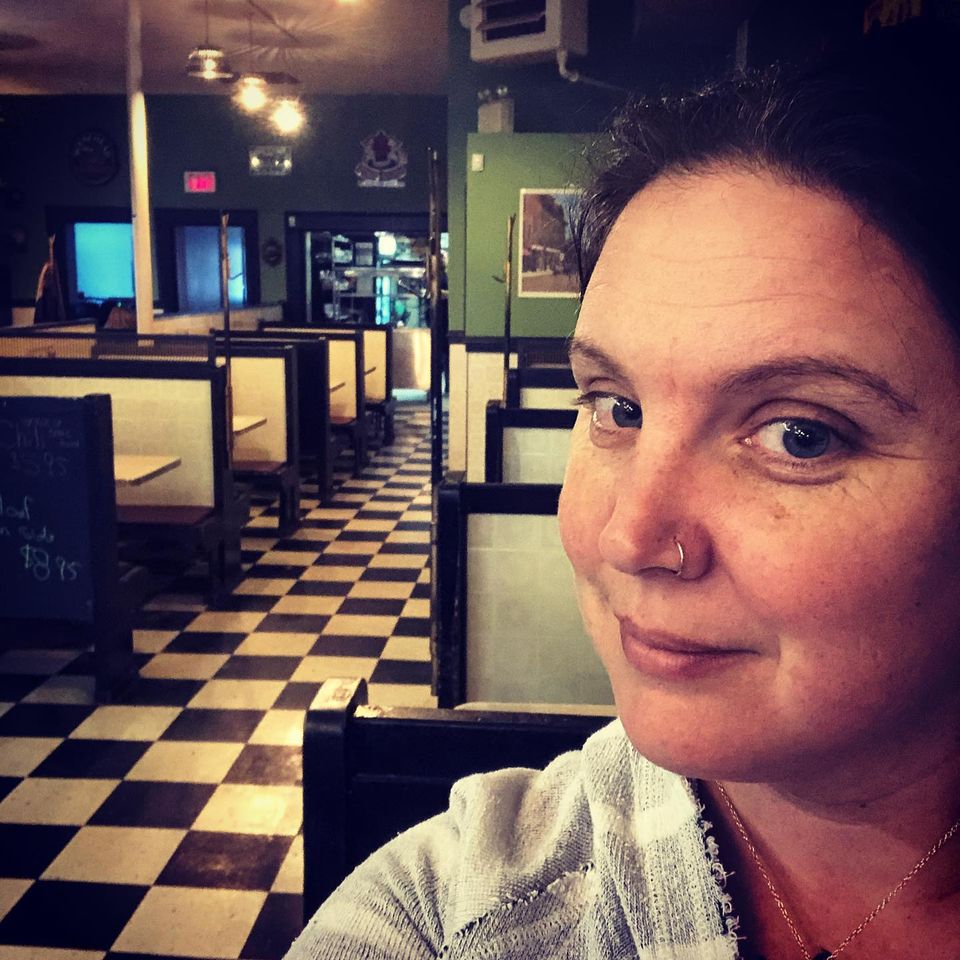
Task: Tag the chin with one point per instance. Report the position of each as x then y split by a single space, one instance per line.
700 749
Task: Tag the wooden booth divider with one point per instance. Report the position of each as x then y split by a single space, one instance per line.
175 409
505 627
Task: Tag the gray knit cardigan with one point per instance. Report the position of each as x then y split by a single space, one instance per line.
602 855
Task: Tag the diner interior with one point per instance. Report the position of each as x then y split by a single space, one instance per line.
284 409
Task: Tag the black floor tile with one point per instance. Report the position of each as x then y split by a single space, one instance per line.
292 623
93 759
323 524
243 602
330 558
320 588
401 671
88 916
412 627
422 525
160 692
405 548
335 645
28 849
262 764
361 536
162 619
372 606
276 928
294 545
228 861
258 668
421 591
14 686
377 515
137 803
392 574
7 784
196 642
42 719
295 696
219 726
275 571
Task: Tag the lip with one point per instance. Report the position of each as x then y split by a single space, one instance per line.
667 656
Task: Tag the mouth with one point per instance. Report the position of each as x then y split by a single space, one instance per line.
667 656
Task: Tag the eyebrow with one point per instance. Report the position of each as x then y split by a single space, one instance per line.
777 368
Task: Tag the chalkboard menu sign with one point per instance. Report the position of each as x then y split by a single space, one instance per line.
52 450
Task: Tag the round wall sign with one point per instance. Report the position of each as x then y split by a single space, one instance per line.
271 251
93 158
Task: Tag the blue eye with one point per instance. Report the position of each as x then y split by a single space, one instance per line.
801 439
626 413
611 412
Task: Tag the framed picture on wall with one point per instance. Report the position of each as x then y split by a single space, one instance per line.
547 260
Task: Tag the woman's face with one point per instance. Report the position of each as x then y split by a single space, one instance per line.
764 379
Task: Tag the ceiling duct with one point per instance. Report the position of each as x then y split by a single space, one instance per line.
517 31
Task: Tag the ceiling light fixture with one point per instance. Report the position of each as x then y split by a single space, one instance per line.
251 91
251 94
208 62
288 116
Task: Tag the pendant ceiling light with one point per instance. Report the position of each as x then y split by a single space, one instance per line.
208 62
288 116
251 90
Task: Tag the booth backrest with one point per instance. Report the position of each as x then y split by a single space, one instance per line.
527 445
264 381
371 772
541 388
377 353
343 369
241 318
158 408
504 615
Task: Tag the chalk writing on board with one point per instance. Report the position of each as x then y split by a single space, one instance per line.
38 464
18 510
38 561
36 433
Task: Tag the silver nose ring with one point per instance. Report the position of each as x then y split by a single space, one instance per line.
679 571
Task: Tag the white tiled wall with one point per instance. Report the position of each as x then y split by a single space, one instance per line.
170 417
532 455
525 638
484 382
258 388
241 318
457 426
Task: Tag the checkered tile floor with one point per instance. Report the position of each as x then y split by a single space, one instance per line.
166 825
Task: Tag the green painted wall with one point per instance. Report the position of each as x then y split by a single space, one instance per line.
208 133
512 161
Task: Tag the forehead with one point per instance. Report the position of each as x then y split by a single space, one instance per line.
730 261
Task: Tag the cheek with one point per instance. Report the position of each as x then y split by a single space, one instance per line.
581 514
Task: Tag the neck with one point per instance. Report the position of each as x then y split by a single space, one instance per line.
834 850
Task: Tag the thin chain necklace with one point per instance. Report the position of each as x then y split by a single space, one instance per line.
781 906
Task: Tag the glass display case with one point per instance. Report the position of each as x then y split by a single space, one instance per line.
375 278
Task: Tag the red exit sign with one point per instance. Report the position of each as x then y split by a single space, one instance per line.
199 181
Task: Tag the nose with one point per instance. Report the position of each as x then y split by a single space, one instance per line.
656 523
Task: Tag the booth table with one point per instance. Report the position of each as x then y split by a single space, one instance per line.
131 469
243 422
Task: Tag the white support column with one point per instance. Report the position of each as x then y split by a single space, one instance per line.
139 173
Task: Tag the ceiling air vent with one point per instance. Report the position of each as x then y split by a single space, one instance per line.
526 30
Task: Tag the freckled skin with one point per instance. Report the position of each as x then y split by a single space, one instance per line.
846 591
